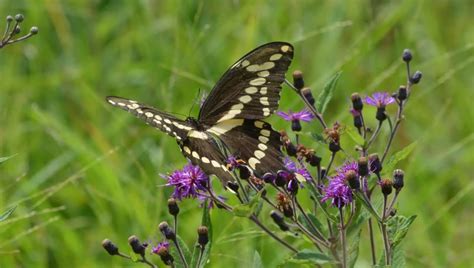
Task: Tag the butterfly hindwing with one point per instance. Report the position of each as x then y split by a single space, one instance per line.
250 89
167 123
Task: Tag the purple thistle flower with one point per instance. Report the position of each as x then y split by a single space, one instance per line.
303 115
338 189
160 245
190 182
379 99
293 167
233 162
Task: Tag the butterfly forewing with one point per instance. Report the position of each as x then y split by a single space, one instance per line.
250 89
167 123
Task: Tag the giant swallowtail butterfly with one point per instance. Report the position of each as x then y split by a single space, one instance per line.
230 116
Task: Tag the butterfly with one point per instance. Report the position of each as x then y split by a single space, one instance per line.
230 119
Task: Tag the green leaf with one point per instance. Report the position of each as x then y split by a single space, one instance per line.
398 228
318 137
314 222
257 261
252 207
354 248
355 136
206 221
326 95
5 158
398 156
174 252
7 213
317 197
307 256
398 258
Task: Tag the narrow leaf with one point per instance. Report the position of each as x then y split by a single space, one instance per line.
354 135
326 95
257 261
398 156
307 256
399 226
368 206
5 158
7 213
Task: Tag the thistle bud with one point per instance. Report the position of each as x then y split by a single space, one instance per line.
17 30
375 165
136 246
244 173
352 179
407 56
19 17
282 178
398 176
173 208
380 114
386 186
110 247
34 30
402 93
9 18
163 251
279 220
295 125
415 79
362 166
234 187
288 212
298 81
334 146
313 159
293 186
166 231
269 177
203 236
357 118
306 92
357 103
291 149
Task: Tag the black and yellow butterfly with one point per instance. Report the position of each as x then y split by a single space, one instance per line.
231 115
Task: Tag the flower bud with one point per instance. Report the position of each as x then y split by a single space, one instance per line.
136 246
357 121
9 18
295 125
17 30
234 187
173 208
362 166
352 179
380 115
278 219
407 56
313 159
291 149
402 93
357 103
110 247
34 30
19 17
288 212
244 172
306 92
163 251
323 172
166 231
293 186
415 79
334 146
386 186
269 177
203 236
375 165
282 178
298 81
398 182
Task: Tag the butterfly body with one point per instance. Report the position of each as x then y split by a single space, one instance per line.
230 119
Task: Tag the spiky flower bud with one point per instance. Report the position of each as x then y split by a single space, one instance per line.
402 93
136 246
298 81
415 79
166 231
398 179
173 208
19 17
407 56
306 92
386 186
352 179
279 220
203 236
110 247
362 166
375 164
357 103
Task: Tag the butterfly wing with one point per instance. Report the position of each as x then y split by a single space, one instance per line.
167 123
250 89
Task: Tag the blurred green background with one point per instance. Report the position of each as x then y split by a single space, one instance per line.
84 171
